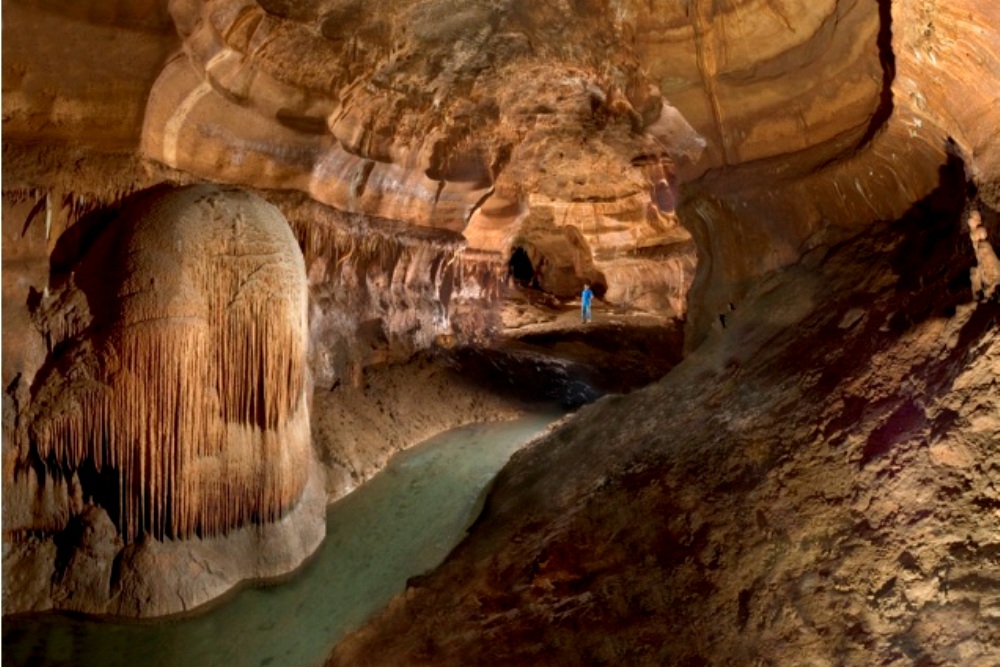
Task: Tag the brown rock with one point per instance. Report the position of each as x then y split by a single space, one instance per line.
689 157
748 508
174 394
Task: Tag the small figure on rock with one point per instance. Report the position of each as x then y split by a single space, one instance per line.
585 299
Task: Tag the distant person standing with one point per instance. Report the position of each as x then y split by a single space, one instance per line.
585 300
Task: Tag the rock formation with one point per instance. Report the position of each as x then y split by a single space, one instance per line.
809 189
776 499
812 484
174 396
469 118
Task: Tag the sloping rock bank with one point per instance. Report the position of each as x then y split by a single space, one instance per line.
356 428
815 485
361 421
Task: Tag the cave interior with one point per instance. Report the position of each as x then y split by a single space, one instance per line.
253 248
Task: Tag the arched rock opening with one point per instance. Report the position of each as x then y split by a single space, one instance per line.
520 268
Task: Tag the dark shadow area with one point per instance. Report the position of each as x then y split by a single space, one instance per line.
76 242
887 58
520 268
935 250
599 287
536 379
927 251
575 366
101 488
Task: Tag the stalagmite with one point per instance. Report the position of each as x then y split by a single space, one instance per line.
190 381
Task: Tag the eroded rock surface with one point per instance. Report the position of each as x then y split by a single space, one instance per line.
814 485
433 155
477 119
171 410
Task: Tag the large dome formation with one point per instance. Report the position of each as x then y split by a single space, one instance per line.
504 122
175 394
564 131
809 188
191 390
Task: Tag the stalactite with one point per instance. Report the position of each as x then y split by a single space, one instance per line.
205 419
366 245
20 195
481 275
409 280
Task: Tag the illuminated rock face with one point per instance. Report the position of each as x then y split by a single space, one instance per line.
190 380
672 153
778 122
175 396
379 291
473 119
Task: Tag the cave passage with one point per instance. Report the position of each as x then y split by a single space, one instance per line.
400 524
520 267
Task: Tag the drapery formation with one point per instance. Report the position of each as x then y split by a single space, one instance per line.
189 381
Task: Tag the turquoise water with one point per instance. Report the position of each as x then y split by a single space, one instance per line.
400 524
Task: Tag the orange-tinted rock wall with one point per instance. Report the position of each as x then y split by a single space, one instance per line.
170 403
672 154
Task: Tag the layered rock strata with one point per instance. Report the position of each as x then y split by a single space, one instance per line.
801 159
467 118
670 153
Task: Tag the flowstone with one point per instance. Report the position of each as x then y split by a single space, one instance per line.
175 396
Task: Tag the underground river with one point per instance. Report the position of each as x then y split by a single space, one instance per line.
400 524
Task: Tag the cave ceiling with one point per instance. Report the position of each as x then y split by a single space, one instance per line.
466 116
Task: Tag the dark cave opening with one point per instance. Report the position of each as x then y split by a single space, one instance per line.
520 267
101 487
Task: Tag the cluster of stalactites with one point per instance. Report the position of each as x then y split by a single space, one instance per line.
483 275
59 209
259 367
204 419
384 261
181 470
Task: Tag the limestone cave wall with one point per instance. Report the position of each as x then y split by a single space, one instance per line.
673 154
813 484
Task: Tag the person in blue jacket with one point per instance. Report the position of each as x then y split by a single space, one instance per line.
585 300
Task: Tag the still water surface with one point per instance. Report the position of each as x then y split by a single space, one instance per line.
400 524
